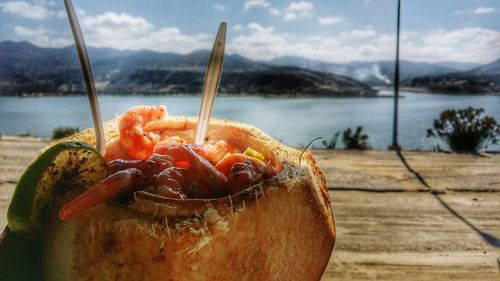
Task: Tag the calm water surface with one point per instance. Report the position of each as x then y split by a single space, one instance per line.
293 121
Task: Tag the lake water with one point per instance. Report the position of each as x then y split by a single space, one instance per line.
293 121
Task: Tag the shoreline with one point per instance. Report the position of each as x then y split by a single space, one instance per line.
270 96
277 96
435 92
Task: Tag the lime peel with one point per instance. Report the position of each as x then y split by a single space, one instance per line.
77 162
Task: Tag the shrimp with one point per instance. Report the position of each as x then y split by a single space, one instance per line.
212 152
211 181
199 180
196 177
138 143
114 185
169 183
114 150
247 173
151 167
215 152
179 123
244 174
126 177
206 181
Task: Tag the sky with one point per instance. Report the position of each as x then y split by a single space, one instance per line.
338 31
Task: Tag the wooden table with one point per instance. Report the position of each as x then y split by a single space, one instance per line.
389 225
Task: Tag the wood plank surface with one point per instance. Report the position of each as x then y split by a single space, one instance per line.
390 227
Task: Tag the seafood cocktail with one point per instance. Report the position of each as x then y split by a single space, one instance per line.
240 206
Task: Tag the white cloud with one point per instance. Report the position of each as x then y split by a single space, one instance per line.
219 7
290 16
45 2
25 9
465 45
123 31
170 39
274 12
111 23
478 11
484 10
302 6
263 4
256 3
257 41
41 37
297 10
260 43
264 43
27 32
329 20
359 33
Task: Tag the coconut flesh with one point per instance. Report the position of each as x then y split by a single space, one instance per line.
279 229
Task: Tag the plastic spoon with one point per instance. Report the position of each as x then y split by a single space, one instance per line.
87 76
212 78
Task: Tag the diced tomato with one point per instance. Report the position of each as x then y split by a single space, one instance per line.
182 164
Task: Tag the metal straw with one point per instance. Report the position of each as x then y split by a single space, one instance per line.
87 75
212 78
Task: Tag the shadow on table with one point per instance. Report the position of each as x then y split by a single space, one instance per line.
488 238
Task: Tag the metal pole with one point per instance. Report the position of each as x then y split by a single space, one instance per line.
395 144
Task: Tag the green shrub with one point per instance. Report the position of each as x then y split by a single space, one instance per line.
465 130
332 143
62 132
356 140
27 134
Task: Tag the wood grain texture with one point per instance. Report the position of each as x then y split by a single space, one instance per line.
380 236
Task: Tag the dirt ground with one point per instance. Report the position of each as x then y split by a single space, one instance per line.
435 218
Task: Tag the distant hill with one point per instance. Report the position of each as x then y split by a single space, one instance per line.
483 80
376 73
274 81
458 66
28 69
491 69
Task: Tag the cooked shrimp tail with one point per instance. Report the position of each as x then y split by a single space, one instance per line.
206 171
170 182
119 183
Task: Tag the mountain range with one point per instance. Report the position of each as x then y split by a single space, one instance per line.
26 69
482 79
446 76
376 73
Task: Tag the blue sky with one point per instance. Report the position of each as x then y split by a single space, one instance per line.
334 30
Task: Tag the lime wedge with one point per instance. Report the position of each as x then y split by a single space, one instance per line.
58 169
